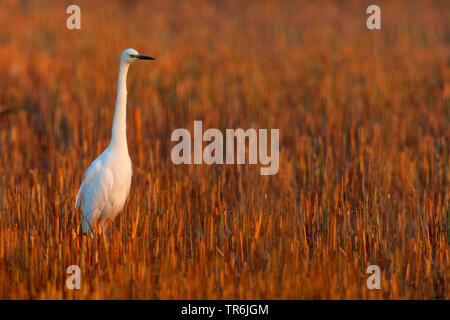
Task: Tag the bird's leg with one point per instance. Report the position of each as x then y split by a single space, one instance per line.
98 228
105 227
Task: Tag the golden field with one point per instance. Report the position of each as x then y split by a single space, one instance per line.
364 172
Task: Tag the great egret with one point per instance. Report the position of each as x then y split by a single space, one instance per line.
107 181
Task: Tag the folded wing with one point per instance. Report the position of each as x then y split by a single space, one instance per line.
94 193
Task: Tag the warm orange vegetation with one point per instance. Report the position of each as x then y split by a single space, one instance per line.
364 149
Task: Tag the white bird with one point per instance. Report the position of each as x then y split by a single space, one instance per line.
107 181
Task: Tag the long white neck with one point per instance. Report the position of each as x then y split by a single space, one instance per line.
119 128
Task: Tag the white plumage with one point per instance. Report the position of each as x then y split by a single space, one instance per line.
107 181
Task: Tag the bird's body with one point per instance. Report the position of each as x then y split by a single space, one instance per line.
105 188
107 181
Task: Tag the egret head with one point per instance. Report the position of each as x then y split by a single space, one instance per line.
131 55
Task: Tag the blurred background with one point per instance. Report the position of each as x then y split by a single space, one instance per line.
364 149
